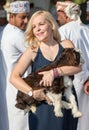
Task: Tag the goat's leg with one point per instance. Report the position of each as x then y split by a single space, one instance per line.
30 108
56 102
66 105
71 98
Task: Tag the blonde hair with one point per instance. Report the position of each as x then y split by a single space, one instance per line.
31 39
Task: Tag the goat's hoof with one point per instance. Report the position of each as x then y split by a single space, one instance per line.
68 106
33 109
59 114
77 114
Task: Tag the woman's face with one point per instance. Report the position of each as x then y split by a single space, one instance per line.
42 29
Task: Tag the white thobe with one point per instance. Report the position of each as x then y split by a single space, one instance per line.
12 47
3 106
79 35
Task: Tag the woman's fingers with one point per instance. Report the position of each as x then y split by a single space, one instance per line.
45 83
47 78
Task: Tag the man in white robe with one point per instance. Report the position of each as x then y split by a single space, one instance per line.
12 47
3 107
72 28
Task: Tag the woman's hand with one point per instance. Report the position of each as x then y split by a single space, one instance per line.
47 79
86 87
40 95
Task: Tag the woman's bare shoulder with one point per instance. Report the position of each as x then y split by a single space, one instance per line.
67 44
34 53
31 50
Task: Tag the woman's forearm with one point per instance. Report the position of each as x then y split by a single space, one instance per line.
49 76
68 70
20 84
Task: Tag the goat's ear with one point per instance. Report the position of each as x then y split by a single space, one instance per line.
78 50
81 57
81 60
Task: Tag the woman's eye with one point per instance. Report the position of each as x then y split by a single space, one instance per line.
33 27
38 25
42 23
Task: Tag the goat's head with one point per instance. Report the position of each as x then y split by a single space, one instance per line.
70 57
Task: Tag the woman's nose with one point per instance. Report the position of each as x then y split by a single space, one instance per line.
38 28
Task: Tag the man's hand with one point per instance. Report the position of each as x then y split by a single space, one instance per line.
86 87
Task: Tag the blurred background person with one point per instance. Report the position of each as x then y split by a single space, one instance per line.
87 13
71 27
34 8
3 18
3 15
3 105
3 2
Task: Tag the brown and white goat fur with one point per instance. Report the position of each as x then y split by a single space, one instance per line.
61 85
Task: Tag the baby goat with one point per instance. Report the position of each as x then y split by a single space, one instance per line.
61 85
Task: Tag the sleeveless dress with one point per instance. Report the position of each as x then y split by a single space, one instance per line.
44 118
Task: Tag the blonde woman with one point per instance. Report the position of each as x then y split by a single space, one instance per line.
45 46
